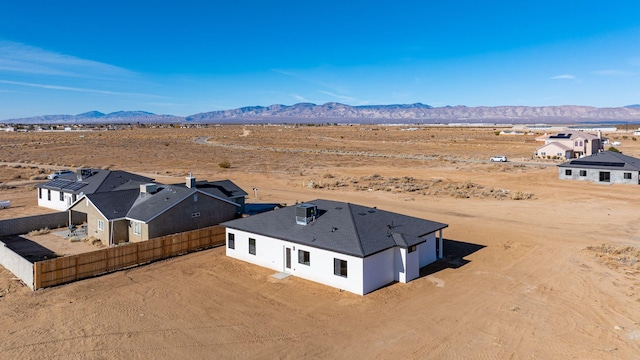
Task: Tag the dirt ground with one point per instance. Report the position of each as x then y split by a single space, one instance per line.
554 272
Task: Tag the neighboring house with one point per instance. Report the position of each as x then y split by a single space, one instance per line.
154 210
61 193
605 167
569 145
343 245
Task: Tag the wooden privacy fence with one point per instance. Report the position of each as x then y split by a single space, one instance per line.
76 267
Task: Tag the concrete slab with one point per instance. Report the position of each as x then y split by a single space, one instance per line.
281 275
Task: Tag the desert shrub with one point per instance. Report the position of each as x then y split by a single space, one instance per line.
634 138
39 232
328 176
613 149
518 195
225 164
496 133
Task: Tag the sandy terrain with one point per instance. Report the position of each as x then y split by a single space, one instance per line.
538 283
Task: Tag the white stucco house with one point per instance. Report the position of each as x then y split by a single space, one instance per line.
346 246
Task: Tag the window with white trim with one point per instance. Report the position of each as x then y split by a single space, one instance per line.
137 228
100 225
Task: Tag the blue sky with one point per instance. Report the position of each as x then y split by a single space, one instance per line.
185 57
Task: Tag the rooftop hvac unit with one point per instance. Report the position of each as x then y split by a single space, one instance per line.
148 188
306 213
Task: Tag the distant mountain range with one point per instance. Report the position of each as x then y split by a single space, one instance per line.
379 114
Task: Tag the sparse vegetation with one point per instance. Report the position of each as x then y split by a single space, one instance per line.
224 164
406 184
618 257
39 232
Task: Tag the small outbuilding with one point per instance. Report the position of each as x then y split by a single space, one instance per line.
346 246
604 167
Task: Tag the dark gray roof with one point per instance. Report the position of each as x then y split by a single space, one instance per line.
341 227
225 189
605 160
99 181
127 200
148 206
115 204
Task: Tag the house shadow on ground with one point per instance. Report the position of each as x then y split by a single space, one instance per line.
30 250
454 253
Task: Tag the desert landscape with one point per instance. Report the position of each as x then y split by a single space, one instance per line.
534 267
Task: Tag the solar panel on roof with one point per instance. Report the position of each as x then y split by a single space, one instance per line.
597 163
57 183
75 186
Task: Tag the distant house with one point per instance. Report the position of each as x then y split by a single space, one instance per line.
604 167
343 245
154 210
61 193
570 145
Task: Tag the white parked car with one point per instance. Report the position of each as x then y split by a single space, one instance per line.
58 173
498 158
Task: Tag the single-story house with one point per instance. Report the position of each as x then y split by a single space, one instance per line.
603 167
346 246
155 210
61 193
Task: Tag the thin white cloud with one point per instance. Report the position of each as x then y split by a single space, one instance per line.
563 77
25 59
337 96
312 79
68 88
615 73
299 98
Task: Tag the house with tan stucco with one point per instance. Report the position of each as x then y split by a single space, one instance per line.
153 210
569 145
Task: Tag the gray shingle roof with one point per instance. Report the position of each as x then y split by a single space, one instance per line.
131 203
341 227
605 160
115 204
99 181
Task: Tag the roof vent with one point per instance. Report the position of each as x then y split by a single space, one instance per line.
306 213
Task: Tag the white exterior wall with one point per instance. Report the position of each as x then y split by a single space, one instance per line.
270 253
380 270
427 251
55 202
363 275
413 264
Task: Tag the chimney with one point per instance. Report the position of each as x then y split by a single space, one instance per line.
191 181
